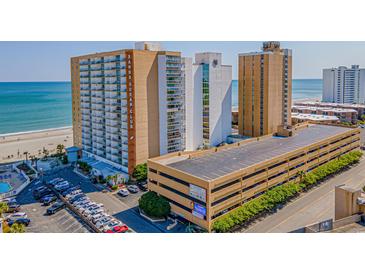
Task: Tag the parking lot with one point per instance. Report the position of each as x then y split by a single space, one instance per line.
124 209
63 221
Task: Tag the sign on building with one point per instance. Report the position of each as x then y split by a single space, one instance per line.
198 193
199 211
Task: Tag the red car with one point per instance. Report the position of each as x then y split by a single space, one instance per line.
118 229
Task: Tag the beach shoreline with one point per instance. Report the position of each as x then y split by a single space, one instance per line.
13 145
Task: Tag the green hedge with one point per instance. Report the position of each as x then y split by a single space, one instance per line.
280 194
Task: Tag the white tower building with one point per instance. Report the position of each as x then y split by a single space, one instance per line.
344 85
208 100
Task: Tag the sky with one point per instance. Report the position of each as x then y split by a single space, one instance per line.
50 61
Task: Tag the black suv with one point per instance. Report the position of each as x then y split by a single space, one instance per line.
142 186
55 208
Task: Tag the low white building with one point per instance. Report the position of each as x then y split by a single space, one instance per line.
208 100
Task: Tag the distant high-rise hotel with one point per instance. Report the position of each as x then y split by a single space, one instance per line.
128 105
344 85
208 100
265 90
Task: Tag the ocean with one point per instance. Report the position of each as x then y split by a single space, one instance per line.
34 106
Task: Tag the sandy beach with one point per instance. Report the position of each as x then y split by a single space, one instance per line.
12 146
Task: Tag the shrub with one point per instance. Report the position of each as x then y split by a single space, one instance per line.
281 194
17 228
154 205
114 187
84 166
140 172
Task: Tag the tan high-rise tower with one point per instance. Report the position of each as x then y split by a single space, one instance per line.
264 90
128 105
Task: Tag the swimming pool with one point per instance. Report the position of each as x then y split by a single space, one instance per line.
4 187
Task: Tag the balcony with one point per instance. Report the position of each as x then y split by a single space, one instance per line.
110 74
112 123
97 87
97 100
95 68
96 61
111 95
112 130
113 102
112 109
84 68
96 74
84 62
111 87
112 116
97 127
97 107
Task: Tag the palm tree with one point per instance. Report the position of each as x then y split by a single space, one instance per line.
26 155
60 148
45 152
3 208
17 228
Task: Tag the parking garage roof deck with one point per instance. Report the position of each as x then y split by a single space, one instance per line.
213 165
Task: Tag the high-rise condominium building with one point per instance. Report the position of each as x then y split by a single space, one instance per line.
208 100
265 90
128 105
344 85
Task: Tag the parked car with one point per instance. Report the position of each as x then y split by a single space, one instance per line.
132 189
73 194
40 188
49 200
110 225
62 186
118 229
76 197
13 208
18 215
70 190
24 221
89 213
54 181
84 205
10 201
40 192
81 201
55 208
46 197
142 186
103 222
91 208
123 192
97 217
